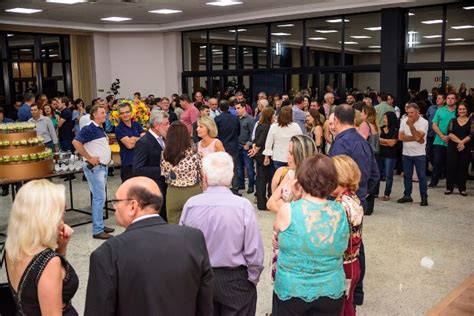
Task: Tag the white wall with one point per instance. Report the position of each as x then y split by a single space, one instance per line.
146 62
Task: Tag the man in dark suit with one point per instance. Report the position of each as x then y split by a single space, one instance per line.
228 127
152 268
147 156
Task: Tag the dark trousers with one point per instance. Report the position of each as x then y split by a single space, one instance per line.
429 151
439 163
235 179
419 162
278 164
264 182
323 306
126 172
163 188
457 169
245 162
359 288
234 294
66 144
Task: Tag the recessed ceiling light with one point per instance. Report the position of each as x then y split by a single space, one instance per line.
456 39
53 55
326 31
432 36
285 25
411 14
238 30
432 22
25 50
204 46
10 35
165 11
116 19
281 34
336 20
65 1
469 7
360 36
373 28
317 38
375 46
23 10
216 50
350 43
461 27
224 3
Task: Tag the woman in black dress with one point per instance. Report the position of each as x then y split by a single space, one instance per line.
264 173
40 278
459 150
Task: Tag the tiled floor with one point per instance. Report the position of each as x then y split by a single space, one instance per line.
397 238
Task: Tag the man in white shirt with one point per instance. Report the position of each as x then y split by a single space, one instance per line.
413 133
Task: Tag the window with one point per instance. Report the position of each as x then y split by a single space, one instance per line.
51 47
252 42
21 46
459 34
222 43
194 50
287 44
323 40
362 39
424 35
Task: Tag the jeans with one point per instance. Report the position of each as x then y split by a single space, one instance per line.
97 180
420 164
439 163
389 166
245 162
278 164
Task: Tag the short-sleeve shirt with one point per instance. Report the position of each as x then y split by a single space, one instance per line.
414 148
442 117
121 131
95 141
66 130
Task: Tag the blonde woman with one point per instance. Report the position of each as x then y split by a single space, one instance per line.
41 279
207 131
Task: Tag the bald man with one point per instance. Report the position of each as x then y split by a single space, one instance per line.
152 268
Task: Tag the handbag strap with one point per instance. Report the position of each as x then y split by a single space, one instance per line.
3 256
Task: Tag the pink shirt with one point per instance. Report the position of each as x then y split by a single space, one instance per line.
189 116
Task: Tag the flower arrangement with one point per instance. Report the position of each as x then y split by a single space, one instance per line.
140 112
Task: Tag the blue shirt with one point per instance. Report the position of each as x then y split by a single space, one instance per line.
95 141
121 131
7 120
430 114
228 127
24 113
299 116
350 143
233 111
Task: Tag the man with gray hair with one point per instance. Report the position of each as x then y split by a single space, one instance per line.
233 239
147 156
214 108
328 105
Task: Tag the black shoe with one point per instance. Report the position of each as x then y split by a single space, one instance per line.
103 236
110 174
405 199
250 190
448 192
108 230
463 193
383 178
424 202
432 185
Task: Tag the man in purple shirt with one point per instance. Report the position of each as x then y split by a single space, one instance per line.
233 239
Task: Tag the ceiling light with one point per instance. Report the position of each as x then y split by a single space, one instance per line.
23 10
281 34
238 30
350 43
373 28
165 11
10 35
224 3
469 7
411 14
456 39
461 27
53 55
432 22
285 25
216 50
326 31
204 46
116 19
65 1
375 46
412 32
360 36
337 20
432 36
317 38
25 50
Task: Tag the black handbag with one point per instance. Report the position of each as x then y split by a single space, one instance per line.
7 302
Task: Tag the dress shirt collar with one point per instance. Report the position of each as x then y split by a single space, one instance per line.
347 131
39 119
218 189
154 134
144 217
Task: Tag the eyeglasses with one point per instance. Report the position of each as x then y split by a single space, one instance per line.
117 201
126 112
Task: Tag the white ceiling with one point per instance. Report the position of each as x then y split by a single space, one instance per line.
196 14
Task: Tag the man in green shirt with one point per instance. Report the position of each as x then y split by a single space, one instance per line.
441 120
382 108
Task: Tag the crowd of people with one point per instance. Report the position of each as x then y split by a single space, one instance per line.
317 164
